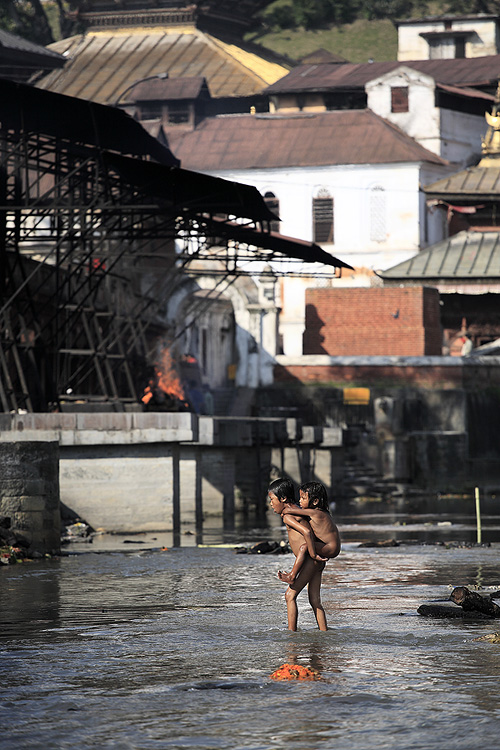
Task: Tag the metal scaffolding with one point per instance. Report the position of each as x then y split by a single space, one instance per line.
90 208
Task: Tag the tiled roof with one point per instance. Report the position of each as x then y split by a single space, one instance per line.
481 181
316 139
477 71
467 255
102 64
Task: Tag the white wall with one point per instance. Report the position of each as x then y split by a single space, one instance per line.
455 136
351 188
253 336
422 119
483 40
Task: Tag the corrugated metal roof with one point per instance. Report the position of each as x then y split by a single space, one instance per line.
467 255
298 140
101 65
474 182
466 91
322 55
166 88
27 108
17 43
477 71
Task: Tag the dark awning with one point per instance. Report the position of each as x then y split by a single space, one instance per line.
309 252
31 110
196 192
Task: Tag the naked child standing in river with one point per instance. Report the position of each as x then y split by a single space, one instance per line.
282 498
325 542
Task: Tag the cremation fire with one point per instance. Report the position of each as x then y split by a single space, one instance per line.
166 382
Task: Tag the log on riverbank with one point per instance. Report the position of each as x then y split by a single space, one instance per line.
468 603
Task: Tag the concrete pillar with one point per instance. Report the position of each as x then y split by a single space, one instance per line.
29 493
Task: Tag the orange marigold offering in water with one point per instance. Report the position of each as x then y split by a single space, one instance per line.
295 672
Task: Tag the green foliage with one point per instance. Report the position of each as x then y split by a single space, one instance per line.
357 42
375 9
40 22
473 6
316 14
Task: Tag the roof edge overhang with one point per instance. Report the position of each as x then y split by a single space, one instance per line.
462 197
446 34
448 17
309 252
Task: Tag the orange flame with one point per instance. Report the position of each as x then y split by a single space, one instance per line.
148 393
166 380
167 377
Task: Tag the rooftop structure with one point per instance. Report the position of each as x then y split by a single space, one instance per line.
296 140
122 47
448 36
479 73
20 59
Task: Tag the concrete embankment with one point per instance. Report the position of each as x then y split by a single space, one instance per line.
29 495
133 472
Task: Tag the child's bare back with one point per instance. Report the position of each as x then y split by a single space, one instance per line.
325 531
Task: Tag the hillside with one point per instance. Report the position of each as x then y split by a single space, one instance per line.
358 41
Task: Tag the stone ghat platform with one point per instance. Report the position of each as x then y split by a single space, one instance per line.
169 427
168 471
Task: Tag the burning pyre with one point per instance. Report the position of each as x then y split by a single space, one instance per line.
165 389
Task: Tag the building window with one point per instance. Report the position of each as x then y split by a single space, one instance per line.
177 114
446 48
323 218
378 213
151 111
273 204
460 47
399 99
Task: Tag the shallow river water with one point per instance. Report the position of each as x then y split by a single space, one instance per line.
144 648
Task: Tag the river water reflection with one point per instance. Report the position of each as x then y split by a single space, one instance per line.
139 648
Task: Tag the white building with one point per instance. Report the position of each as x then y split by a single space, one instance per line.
347 180
447 36
422 107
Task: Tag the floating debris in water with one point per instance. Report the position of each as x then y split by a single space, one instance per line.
490 637
295 672
11 555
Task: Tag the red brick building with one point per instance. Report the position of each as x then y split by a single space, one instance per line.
376 321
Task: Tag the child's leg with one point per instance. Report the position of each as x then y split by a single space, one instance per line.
324 551
299 561
314 592
306 573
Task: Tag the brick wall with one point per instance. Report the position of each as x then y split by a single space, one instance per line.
385 321
432 376
436 372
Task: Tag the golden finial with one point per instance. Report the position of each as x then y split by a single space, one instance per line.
491 141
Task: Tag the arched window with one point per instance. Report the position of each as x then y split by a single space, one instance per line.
273 205
378 211
323 217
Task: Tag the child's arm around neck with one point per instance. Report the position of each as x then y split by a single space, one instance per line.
297 511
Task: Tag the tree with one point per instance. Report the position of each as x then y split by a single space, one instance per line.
26 18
